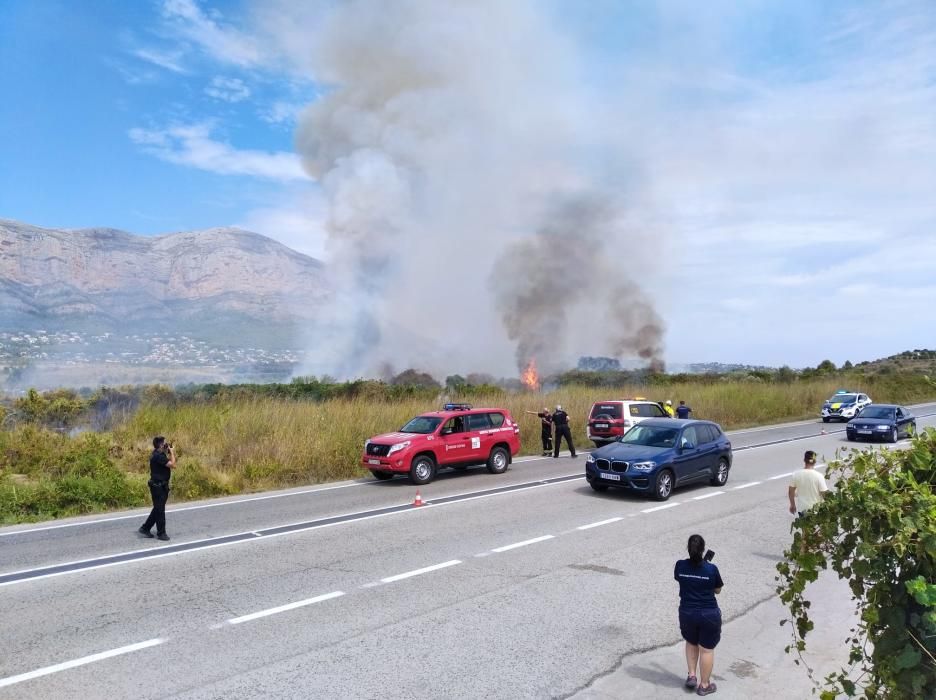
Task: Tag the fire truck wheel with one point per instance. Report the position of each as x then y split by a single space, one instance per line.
422 469
498 461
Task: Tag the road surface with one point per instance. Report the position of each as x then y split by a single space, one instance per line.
521 585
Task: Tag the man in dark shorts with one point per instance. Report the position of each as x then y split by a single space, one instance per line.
162 462
561 421
699 614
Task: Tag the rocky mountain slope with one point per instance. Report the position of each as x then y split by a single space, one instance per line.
106 277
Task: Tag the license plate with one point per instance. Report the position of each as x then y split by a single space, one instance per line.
864 432
602 426
611 477
373 461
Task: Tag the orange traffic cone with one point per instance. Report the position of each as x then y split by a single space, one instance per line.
418 501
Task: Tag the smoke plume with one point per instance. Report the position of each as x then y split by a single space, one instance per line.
469 228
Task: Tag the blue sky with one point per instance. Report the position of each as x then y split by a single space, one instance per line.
83 78
789 148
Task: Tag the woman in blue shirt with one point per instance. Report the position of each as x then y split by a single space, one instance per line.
699 615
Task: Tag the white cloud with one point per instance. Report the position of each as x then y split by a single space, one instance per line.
297 220
170 60
224 43
192 145
282 112
227 89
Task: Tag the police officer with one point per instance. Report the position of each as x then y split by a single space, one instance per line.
162 462
545 429
561 421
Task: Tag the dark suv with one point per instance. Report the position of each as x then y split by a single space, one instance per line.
660 454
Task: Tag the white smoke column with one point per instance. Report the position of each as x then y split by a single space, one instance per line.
446 131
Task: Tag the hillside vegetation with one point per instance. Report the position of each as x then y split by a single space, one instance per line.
65 453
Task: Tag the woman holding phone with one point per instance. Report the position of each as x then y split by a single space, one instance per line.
699 614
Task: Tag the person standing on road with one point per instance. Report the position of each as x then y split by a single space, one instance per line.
682 410
545 429
699 615
668 407
561 421
162 462
807 487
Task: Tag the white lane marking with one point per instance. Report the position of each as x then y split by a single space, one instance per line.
746 486
285 608
75 663
515 545
182 509
318 526
598 524
779 476
424 570
708 495
663 507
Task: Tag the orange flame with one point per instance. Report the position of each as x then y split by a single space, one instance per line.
530 377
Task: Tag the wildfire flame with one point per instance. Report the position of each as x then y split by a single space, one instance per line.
530 377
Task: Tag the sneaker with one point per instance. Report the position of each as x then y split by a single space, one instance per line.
572 456
146 533
707 690
163 536
691 682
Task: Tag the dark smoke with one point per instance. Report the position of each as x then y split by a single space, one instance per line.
565 269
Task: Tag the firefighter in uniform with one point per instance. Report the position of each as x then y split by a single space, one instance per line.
545 429
561 421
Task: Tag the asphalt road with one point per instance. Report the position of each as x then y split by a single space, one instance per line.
525 584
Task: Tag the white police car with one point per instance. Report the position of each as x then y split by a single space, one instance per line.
844 406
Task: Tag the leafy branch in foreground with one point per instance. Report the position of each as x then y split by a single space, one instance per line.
876 530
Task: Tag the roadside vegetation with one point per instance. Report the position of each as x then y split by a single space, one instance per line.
66 453
877 531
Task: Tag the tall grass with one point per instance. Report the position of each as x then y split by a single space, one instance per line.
230 444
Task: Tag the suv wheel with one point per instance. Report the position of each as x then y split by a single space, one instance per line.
825 419
422 469
663 485
382 476
498 461
720 477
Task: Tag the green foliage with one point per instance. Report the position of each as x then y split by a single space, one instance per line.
877 530
58 409
44 474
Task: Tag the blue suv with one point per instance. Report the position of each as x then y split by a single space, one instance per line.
660 454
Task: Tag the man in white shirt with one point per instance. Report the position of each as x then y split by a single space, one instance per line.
807 487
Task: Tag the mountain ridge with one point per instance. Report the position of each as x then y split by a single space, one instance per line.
113 275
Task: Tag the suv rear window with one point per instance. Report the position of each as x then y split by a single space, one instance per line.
497 419
611 410
479 421
647 410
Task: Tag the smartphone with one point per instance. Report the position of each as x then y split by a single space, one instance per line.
709 555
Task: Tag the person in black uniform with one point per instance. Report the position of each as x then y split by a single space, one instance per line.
561 421
162 462
545 429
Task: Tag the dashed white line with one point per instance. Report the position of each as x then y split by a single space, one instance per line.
779 476
746 486
708 495
598 524
285 608
75 663
417 572
515 545
663 507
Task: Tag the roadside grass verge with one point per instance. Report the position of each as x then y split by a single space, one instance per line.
238 442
